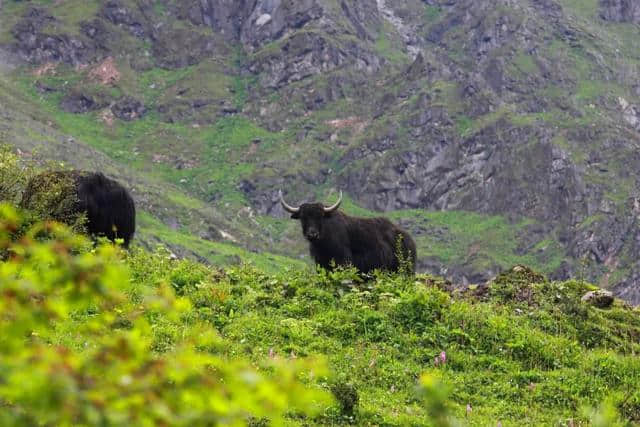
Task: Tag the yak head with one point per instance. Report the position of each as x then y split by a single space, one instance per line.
311 216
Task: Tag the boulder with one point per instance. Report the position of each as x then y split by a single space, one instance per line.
599 298
79 103
128 109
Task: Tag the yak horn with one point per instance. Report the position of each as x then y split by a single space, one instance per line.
335 205
286 207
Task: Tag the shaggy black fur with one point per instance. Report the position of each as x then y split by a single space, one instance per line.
365 243
108 206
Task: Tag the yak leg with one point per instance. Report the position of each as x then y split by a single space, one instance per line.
327 260
343 258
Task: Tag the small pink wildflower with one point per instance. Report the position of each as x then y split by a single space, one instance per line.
443 357
469 409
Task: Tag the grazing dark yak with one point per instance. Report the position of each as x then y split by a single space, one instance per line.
365 243
65 196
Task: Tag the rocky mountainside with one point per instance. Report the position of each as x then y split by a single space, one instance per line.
497 131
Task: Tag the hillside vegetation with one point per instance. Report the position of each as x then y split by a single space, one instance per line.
502 134
498 132
99 336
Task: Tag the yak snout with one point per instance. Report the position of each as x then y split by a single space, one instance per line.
312 234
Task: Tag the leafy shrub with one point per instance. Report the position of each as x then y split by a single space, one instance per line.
13 175
66 359
187 275
435 394
347 397
52 195
416 311
517 285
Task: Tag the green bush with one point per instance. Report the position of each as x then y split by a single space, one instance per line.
435 394
13 175
421 309
52 195
76 350
347 397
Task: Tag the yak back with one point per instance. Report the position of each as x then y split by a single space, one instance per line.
109 207
366 243
82 199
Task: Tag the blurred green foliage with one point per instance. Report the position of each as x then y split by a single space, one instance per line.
77 346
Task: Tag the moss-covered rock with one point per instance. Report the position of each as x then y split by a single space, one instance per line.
599 298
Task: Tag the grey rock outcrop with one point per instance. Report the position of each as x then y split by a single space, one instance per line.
128 109
79 103
117 13
170 52
307 54
620 10
223 16
37 47
253 22
273 19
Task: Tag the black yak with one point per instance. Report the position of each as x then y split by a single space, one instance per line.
340 239
65 196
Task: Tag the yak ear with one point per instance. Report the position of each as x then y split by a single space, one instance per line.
295 215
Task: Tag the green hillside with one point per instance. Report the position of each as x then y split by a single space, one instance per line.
497 133
503 135
103 337
128 149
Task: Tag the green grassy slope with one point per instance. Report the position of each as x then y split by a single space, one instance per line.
524 351
219 153
400 350
57 141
